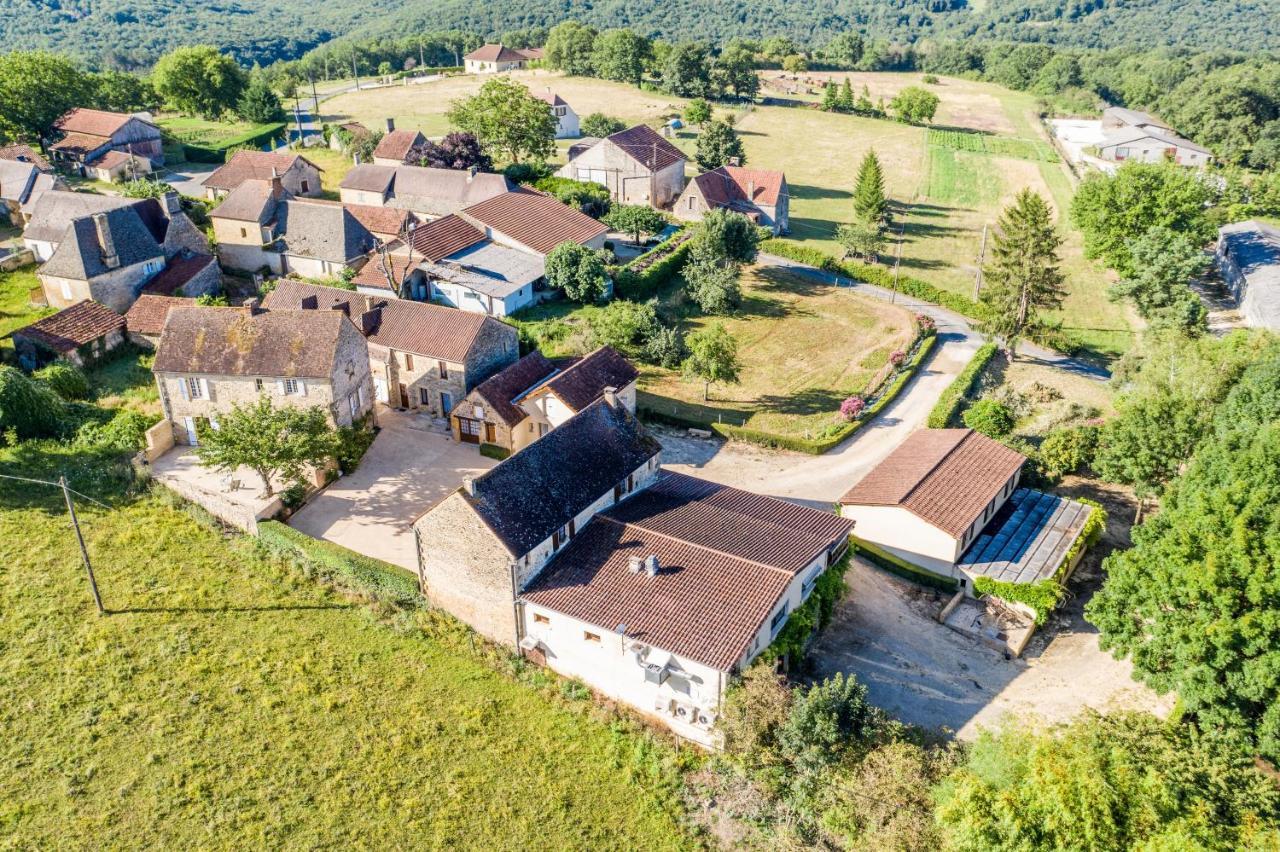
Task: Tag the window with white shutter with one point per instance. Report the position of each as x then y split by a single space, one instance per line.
194 389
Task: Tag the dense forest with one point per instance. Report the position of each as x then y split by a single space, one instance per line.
134 33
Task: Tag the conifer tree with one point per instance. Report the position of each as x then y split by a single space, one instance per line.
869 203
829 96
844 102
1024 277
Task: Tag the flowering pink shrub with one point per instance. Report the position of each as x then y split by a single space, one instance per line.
852 407
896 357
925 323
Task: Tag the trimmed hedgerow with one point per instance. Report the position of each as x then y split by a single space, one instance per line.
652 270
380 580
950 400
493 451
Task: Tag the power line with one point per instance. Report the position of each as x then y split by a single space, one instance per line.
67 491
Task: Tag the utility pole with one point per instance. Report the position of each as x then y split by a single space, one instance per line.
982 257
897 261
355 72
422 60
84 551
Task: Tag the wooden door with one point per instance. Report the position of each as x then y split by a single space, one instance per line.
404 396
469 430
490 433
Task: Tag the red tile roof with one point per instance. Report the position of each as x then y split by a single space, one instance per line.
381 220
945 476
94 122
24 154
725 559
432 331
113 158
551 98
496 53
442 237
396 144
80 143
73 327
647 147
147 315
728 184
499 390
537 221
374 274
251 165
177 273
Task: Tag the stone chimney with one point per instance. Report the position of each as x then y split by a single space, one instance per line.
751 190
106 244
172 205
345 307
734 161
309 303
611 396
370 320
651 566
277 186
253 307
391 125
472 172
469 485
275 173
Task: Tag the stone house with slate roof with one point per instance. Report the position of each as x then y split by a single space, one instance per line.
80 335
533 396
422 356
210 359
637 165
426 191
653 587
948 501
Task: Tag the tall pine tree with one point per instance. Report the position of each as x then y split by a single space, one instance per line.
869 203
1023 278
844 102
830 96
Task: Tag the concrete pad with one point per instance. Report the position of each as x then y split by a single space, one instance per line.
236 498
411 466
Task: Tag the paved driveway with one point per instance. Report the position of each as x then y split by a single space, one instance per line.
188 178
409 469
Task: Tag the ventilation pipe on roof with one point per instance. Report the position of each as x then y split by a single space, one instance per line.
635 564
651 566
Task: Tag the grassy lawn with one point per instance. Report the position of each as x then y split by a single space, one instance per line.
334 166
227 701
1044 398
201 131
16 309
126 381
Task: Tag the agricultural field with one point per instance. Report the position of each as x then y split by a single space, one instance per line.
201 131
228 701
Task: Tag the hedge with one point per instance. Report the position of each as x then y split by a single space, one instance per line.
380 580
218 153
950 400
812 446
493 451
660 264
902 568
883 277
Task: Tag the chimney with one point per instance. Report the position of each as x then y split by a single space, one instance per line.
370 320
651 566
751 190
309 303
472 172
345 307
172 205
106 244
469 485
275 173
277 186
611 396
734 161
635 564
391 125
253 307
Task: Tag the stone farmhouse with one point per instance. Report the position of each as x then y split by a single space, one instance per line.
567 123
299 176
1133 135
759 194
652 587
948 501
1248 256
80 335
496 58
394 147
86 135
637 165
533 396
426 191
111 252
423 357
210 359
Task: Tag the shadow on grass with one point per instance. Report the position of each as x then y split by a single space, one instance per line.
215 610
803 403
805 192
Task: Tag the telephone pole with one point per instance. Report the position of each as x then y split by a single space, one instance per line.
84 551
982 258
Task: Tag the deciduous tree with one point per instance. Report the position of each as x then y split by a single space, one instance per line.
697 111
1164 262
578 271
621 55
725 233
507 119
686 71
1023 278
734 70
36 88
570 48
635 219
275 443
717 145
457 150
915 105
600 125
199 80
713 358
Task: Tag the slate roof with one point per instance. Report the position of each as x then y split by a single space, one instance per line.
424 189
251 165
369 177
236 342
73 327
647 147
53 213
323 230
726 557
1028 538
432 331
177 273
94 122
944 476
44 182
496 53
534 220
541 488
79 254
148 313
381 220
1254 248
1128 135
17 180
584 382
502 389
24 154
442 237
250 201
1134 117
727 185
396 144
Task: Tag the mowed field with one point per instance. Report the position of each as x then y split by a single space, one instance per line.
228 702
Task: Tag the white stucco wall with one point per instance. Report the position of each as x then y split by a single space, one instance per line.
906 536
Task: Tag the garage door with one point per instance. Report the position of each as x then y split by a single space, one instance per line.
469 430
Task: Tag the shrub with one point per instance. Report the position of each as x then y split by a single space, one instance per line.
28 409
293 496
902 568
601 125
125 433
665 347
66 380
359 573
353 442
590 198
827 720
1065 451
653 269
990 417
953 397
493 451
811 616
931 79
852 407
528 173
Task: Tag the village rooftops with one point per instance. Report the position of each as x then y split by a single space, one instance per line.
420 186
550 482
374 273
79 144
725 557
73 327
439 238
397 144
324 230
432 331
94 122
1125 135
381 220
647 147
946 477
253 200
1028 539
249 342
489 268
17 180
252 165
1134 118
24 154
55 210
551 98
536 221
584 381
496 53
730 186
502 390
82 253
177 273
148 313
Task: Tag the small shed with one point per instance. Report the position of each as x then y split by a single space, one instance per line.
81 334
114 166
